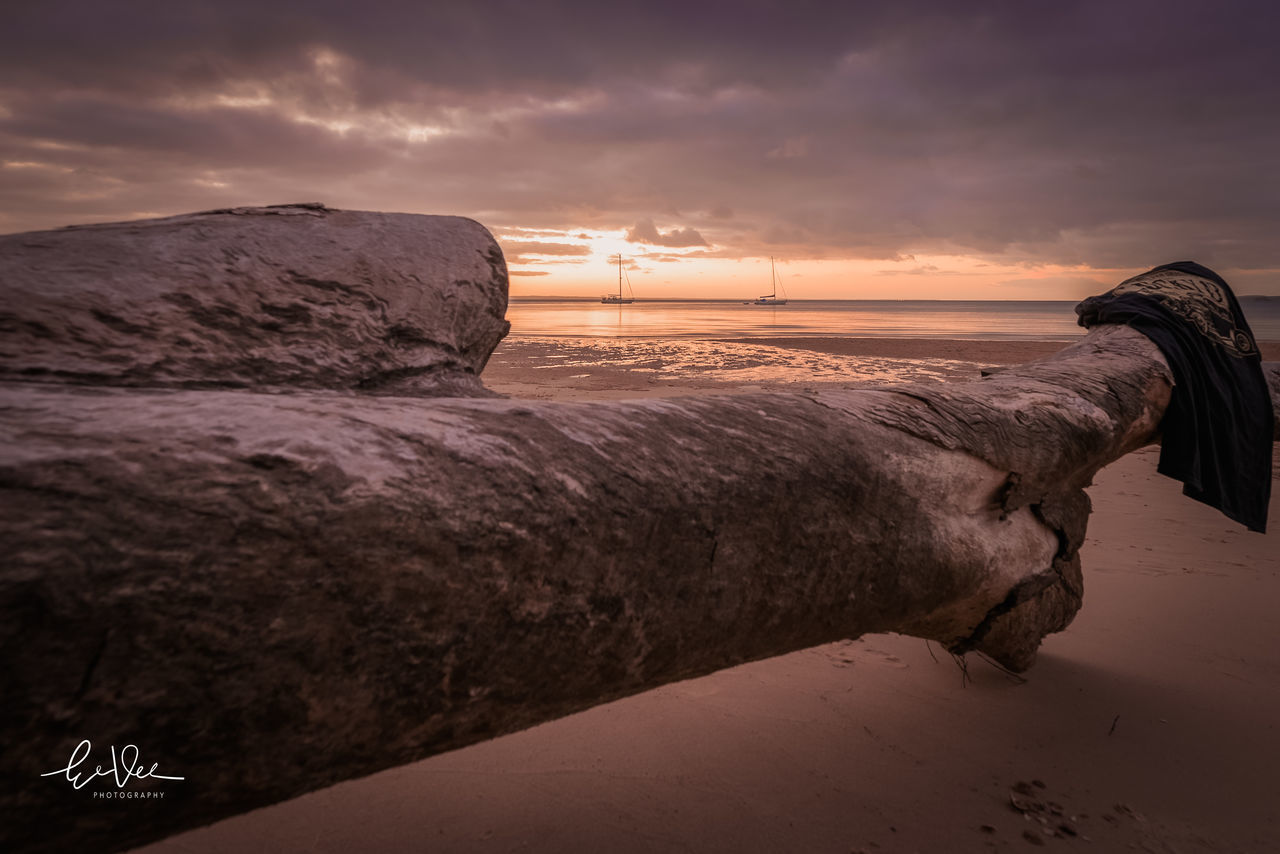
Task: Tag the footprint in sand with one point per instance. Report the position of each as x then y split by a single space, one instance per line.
881 657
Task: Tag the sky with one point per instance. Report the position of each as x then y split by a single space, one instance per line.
945 149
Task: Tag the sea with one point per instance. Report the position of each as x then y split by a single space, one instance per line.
579 343
1047 320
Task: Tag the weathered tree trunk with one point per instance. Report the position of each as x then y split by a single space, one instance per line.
271 592
295 296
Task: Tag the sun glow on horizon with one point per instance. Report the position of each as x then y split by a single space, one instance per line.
582 263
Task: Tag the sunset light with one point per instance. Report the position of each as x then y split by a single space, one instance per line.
1029 155
579 262
639 427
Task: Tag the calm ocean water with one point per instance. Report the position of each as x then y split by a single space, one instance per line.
971 319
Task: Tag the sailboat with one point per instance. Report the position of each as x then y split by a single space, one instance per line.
618 299
770 298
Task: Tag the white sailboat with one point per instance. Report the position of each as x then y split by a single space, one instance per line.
770 298
618 299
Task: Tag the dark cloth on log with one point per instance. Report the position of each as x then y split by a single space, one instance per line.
1217 431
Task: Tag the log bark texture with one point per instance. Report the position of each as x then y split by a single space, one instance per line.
295 296
272 592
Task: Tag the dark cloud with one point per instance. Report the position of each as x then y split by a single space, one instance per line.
1071 287
479 45
645 231
1113 134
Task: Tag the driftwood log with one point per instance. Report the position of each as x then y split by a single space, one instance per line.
292 296
241 534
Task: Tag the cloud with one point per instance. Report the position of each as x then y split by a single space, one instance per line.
519 251
453 46
790 148
1077 133
919 270
645 231
1077 287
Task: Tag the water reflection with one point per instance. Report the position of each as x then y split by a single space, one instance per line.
687 359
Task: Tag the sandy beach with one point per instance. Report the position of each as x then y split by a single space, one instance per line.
1150 724
383 385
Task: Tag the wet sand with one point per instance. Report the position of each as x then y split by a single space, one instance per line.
548 368
595 368
1152 723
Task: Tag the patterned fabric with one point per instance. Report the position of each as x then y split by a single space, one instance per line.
1205 303
1217 431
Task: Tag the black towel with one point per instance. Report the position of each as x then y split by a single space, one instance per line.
1217 430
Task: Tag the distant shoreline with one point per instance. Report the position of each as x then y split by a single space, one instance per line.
739 300
1003 351
794 300
993 349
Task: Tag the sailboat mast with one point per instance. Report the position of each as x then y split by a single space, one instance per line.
619 275
773 278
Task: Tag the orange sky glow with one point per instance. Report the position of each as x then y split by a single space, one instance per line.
945 151
662 273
